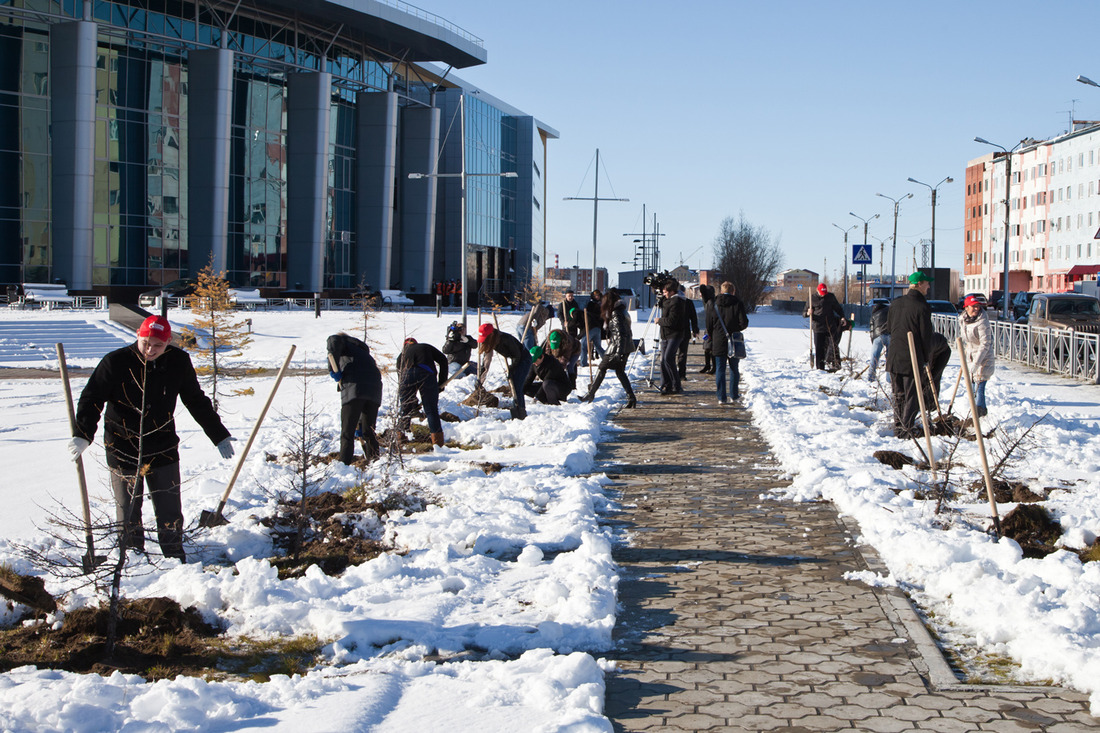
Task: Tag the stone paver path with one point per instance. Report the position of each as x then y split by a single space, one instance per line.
735 612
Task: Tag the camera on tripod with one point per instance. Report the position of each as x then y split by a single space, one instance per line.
657 281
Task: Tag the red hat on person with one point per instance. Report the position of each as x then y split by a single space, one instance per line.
484 331
821 289
156 327
971 300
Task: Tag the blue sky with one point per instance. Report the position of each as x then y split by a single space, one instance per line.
795 113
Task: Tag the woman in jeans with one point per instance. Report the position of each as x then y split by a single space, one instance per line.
977 336
726 315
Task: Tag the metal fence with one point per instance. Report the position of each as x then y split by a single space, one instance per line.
1053 350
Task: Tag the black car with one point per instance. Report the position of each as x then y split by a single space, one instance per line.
176 289
944 307
1021 302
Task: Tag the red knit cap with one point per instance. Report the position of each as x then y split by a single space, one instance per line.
821 289
155 327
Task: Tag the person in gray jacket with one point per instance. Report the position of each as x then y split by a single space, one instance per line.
977 336
360 384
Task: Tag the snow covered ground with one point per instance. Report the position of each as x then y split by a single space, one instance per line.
510 574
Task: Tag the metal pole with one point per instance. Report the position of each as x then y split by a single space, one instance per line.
595 216
933 250
1008 188
894 253
863 284
462 200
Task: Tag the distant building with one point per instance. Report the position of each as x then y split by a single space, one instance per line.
579 279
1054 215
793 278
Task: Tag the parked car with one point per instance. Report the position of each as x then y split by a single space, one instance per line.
1065 310
176 289
1022 302
944 307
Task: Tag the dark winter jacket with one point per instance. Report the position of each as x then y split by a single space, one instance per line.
592 312
692 327
908 313
360 378
117 383
510 347
549 369
568 352
423 356
731 311
879 314
458 347
826 313
620 341
570 314
674 319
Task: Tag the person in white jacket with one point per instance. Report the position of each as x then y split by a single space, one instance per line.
977 336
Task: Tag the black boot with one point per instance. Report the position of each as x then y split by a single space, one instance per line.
630 402
588 397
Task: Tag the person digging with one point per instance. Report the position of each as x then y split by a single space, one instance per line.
423 370
138 385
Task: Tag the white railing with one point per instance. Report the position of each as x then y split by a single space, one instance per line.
1054 350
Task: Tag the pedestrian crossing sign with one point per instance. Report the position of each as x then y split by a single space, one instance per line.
861 254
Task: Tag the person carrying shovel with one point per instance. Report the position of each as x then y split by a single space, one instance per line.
491 340
139 384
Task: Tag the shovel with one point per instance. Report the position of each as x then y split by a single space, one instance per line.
89 561
215 518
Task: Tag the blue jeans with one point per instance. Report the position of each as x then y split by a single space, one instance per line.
720 376
979 393
877 346
594 335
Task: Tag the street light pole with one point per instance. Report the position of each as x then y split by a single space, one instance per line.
894 245
949 179
462 175
1008 205
847 256
595 199
862 299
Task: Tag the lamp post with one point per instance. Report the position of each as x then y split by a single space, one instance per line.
949 179
1008 206
595 199
847 256
862 299
462 175
894 244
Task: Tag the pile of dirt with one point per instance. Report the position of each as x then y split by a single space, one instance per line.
155 638
26 589
893 459
331 535
481 397
1007 492
1033 528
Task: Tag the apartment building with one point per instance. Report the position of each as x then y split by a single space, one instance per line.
1053 214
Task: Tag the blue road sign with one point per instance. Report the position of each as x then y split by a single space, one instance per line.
861 254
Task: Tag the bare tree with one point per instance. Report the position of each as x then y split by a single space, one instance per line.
747 257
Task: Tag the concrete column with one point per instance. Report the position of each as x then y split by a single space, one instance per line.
419 155
308 108
376 171
72 117
209 120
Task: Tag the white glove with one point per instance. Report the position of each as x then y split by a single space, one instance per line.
226 448
78 446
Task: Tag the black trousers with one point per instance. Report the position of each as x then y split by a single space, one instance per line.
826 350
619 367
417 380
361 414
164 490
906 404
670 375
682 357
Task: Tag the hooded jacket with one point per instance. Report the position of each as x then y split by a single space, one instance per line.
360 378
977 336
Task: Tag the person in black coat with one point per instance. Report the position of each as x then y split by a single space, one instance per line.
593 316
690 331
422 369
493 341
571 315
706 292
360 384
139 385
909 313
880 337
620 342
554 386
673 323
457 347
827 323
726 319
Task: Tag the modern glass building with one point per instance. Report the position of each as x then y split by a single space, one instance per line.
140 140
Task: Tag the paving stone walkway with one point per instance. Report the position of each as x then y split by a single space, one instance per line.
735 612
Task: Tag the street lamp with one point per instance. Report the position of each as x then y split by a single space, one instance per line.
1086 80
463 175
864 283
949 179
894 245
1008 187
846 256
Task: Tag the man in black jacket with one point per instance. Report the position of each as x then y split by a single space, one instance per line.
422 369
673 323
554 386
570 315
909 313
139 385
726 319
593 333
458 347
827 323
360 384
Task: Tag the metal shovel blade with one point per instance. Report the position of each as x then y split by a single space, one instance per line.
212 519
89 562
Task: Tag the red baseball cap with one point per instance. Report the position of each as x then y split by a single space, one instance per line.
971 300
483 332
156 327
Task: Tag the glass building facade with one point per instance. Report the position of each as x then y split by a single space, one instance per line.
253 138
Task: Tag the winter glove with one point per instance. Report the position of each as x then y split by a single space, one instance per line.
335 375
358 434
78 446
226 448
